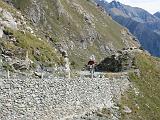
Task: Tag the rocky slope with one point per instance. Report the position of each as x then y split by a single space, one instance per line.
20 45
145 98
115 96
33 37
78 27
140 23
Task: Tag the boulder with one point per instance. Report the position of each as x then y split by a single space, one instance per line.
126 109
117 62
8 19
21 65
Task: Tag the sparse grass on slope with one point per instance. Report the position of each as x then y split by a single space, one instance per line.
65 22
7 7
108 29
39 50
146 105
21 4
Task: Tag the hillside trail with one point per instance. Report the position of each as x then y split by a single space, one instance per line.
106 74
58 98
87 74
80 98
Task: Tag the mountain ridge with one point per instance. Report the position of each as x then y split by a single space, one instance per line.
132 18
157 14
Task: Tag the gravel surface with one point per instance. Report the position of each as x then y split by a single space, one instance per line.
58 98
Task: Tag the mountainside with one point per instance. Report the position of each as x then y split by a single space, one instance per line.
144 100
143 25
45 46
148 39
157 14
76 26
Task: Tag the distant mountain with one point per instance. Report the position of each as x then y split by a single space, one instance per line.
135 13
157 14
142 24
101 2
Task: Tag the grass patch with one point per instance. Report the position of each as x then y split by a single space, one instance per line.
145 105
7 7
21 4
39 50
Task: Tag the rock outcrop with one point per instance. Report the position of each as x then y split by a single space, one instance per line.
7 19
118 62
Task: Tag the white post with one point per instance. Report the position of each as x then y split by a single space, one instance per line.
8 75
1 62
92 75
27 60
66 67
92 72
69 74
42 75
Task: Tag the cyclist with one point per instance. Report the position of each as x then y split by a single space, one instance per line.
91 65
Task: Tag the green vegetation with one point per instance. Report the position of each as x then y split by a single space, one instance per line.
21 4
104 113
108 29
7 7
146 104
39 50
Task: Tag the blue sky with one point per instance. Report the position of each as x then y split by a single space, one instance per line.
151 6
